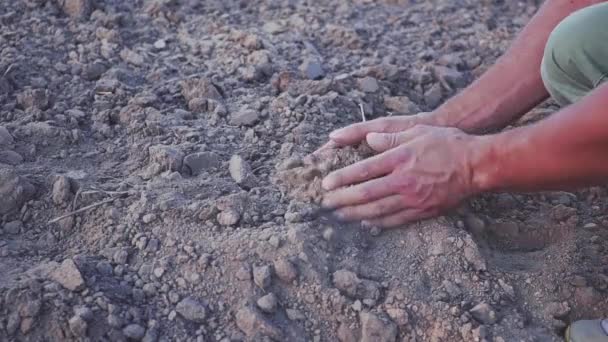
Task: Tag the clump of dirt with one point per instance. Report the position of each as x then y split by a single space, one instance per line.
301 178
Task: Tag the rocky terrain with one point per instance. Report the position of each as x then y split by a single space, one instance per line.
153 185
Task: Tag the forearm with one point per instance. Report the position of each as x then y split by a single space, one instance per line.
566 150
513 85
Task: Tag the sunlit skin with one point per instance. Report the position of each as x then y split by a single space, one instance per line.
430 162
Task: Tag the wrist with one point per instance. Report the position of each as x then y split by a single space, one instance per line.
486 157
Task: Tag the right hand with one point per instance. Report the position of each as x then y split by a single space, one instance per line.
356 133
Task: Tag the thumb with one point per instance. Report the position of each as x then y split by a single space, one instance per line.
381 142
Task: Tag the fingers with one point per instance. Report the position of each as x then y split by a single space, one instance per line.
399 219
379 208
356 133
360 193
370 168
381 142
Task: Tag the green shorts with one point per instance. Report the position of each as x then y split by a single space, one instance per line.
576 56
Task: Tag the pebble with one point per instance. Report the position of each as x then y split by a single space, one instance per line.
268 303
228 217
312 70
77 9
167 157
241 172
433 96
374 329
262 276
160 44
13 227
192 310
6 139
10 158
274 27
62 192
68 276
244 117
285 270
483 313
196 163
134 331
253 323
94 71
369 84
78 326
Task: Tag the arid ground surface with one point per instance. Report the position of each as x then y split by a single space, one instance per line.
153 184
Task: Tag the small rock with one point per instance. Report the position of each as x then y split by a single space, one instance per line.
84 312
6 139
262 276
312 70
346 334
329 234
62 190
374 329
252 323
78 326
274 27
483 313
34 98
245 117
295 315
399 316
241 172
132 57
134 331
167 157
285 270
244 272
94 71
369 84
228 217
68 275
77 9
30 308
268 303
196 163
13 227
400 105
10 158
192 310
433 96
200 88
160 44
14 191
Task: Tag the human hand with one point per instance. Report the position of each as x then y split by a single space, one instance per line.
356 133
418 174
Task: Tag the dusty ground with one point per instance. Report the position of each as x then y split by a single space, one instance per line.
164 125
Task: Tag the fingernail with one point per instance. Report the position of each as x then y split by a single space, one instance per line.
335 134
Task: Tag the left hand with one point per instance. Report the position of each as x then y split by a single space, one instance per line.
418 174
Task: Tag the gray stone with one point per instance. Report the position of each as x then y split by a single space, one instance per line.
77 9
6 139
201 88
10 158
196 163
274 27
244 117
62 190
295 315
268 303
241 172
483 313
78 326
13 227
374 329
192 310
93 71
84 312
285 270
228 217
252 323
262 276
312 70
68 275
433 96
34 98
167 157
368 84
134 331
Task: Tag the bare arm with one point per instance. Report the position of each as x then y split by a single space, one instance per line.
513 85
568 149
503 94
